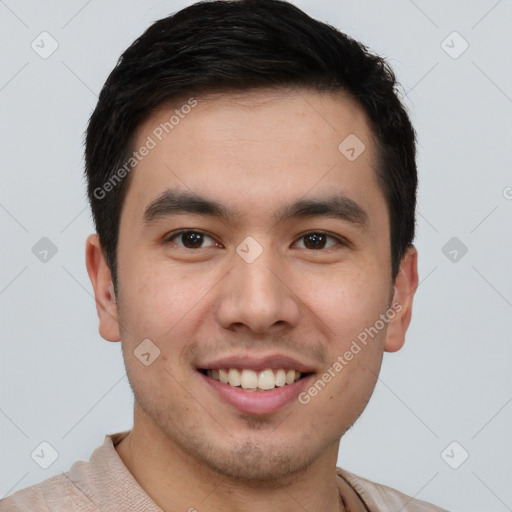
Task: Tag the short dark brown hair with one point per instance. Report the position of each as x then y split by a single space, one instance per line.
225 45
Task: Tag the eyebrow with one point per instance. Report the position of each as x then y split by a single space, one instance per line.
338 206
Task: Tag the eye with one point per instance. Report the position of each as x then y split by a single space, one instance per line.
316 240
190 239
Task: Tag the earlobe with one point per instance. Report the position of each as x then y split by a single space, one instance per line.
405 287
104 294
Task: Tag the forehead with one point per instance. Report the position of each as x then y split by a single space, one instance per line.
255 150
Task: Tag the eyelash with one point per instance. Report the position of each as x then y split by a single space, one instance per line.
176 234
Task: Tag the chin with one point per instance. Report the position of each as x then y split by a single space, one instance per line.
250 462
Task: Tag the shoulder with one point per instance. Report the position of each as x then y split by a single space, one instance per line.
381 498
88 486
54 494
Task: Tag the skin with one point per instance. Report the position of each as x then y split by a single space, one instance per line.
252 151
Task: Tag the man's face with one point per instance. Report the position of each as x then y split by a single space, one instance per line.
254 292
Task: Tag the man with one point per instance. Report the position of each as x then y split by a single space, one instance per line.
252 178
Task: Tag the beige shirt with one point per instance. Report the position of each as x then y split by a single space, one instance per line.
104 484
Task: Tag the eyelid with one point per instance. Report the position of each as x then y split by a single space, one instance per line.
341 240
175 234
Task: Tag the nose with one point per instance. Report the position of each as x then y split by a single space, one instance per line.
258 296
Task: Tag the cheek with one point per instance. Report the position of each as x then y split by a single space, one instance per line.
156 306
160 302
341 401
348 302
350 310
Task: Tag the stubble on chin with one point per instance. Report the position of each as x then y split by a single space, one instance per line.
260 462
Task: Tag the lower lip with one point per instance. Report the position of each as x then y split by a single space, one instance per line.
257 402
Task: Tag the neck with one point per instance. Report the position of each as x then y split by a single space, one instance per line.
176 481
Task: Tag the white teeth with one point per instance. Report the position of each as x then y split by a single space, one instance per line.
250 380
280 377
234 377
266 380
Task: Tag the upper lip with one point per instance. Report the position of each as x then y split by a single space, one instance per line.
274 361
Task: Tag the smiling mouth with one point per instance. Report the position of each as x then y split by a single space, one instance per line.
250 380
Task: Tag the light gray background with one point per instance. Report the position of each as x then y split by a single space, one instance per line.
61 383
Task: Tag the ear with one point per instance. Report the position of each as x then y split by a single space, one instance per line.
101 279
406 284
